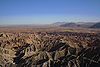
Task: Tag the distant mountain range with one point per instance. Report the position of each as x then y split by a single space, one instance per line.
59 23
97 25
69 25
78 24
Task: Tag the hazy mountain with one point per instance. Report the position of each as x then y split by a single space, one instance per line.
78 24
87 25
59 23
70 25
97 25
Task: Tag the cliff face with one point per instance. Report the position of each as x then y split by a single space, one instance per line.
55 49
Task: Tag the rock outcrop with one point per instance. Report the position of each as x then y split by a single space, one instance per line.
50 49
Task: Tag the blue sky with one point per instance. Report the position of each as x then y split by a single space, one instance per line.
48 11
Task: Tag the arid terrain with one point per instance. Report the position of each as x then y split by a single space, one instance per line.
49 46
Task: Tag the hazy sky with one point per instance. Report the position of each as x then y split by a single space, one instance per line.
48 11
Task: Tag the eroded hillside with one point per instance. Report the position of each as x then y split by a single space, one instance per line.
50 49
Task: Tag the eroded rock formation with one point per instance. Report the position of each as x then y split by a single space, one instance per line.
49 49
